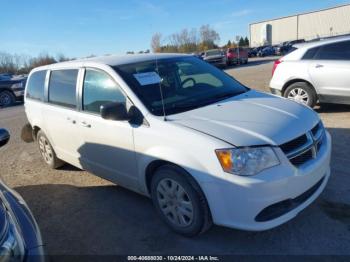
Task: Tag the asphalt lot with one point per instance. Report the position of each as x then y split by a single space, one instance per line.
79 213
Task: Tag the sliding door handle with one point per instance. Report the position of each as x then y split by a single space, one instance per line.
84 124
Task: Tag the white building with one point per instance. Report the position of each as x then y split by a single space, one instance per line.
323 23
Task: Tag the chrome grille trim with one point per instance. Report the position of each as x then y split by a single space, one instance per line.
313 143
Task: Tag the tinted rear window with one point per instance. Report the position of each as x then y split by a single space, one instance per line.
336 51
62 87
310 54
36 86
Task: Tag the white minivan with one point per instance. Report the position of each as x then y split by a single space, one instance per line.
204 147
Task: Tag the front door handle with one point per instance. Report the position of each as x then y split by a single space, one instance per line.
84 124
319 66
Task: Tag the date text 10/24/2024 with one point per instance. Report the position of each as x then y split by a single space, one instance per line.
173 258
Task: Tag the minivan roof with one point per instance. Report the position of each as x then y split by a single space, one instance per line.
115 60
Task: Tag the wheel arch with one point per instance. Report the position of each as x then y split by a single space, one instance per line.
35 131
7 89
297 80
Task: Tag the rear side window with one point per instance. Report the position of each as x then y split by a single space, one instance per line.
62 87
100 89
310 54
36 86
336 51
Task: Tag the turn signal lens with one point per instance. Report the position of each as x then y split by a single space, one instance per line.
225 159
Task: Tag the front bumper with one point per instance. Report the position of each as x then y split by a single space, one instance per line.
239 202
19 94
26 223
220 62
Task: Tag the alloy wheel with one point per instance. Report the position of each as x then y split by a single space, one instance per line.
299 95
5 99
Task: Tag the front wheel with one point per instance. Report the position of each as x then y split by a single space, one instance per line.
302 93
179 201
7 98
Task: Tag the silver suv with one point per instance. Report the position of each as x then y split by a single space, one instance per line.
315 72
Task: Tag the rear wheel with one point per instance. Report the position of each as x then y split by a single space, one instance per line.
47 151
301 92
7 98
179 201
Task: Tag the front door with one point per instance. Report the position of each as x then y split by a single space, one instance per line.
107 146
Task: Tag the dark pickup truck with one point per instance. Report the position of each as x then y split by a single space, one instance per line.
11 89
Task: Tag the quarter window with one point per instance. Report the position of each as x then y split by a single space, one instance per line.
310 54
62 87
100 89
36 86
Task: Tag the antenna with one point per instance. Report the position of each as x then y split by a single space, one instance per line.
160 89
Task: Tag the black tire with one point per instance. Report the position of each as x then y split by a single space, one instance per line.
305 87
47 151
7 98
201 217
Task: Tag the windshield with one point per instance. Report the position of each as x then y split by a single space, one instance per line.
213 52
186 83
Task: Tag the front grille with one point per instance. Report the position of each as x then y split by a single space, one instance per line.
305 147
302 158
278 209
295 143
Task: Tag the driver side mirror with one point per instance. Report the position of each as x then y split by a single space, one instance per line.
4 137
114 111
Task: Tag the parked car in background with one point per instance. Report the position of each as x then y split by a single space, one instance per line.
11 89
204 147
266 51
252 52
236 56
20 238
215 57
198 55
315 72
5 76
287 47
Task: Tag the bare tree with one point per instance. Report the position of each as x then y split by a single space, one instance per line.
62 58
7 63
156 42
208 36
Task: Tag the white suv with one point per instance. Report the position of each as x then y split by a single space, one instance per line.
316 71
201 145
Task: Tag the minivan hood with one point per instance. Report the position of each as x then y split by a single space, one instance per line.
250 119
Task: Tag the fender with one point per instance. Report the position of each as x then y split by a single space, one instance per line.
192 165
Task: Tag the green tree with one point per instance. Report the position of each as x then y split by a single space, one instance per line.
229 44
241 42
246 41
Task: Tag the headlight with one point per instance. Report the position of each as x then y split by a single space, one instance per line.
247 161
18 85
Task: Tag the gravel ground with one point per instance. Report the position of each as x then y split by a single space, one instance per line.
79 213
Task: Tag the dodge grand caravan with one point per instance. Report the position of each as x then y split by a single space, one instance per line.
204 147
